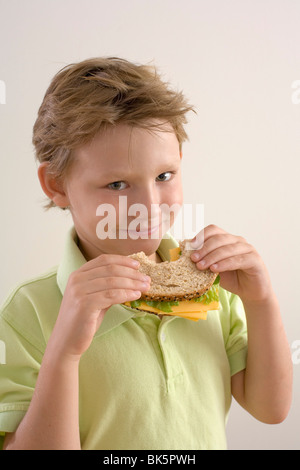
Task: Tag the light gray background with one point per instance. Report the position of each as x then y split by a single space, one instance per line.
236 60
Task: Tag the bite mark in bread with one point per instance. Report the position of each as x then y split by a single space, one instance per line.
174 280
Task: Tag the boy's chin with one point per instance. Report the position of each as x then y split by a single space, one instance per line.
129 246
148 245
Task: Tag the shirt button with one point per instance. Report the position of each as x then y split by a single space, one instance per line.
163 337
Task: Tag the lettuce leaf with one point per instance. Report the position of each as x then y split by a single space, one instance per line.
210 296
166 306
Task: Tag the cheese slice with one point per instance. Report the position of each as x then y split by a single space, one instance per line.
186 309
174 253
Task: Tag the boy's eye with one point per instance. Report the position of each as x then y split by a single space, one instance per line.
117 185
162 176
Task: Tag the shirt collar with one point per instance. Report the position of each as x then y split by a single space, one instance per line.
73 259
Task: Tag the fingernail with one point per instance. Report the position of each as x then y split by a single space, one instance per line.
195 256
197 242
145 285
201 263
136 292
194 243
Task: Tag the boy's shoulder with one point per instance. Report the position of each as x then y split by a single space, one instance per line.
32 306
33 285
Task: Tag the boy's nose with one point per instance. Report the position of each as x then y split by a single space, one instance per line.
149 198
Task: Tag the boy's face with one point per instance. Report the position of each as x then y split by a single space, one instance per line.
123 161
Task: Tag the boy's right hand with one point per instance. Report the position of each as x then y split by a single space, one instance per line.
91 290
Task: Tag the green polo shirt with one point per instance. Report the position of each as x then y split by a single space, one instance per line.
144 383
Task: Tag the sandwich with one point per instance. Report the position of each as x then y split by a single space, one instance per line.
177 286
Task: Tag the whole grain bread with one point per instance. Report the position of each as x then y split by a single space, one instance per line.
174 280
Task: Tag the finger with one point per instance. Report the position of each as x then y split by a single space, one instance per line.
110 259
107 298
222 253
212 244
244 261
115 270
115 283
204 234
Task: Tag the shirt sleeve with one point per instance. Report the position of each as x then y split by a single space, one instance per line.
234 326
19 363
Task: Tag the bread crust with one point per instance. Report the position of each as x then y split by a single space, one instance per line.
174 280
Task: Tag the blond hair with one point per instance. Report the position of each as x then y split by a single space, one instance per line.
85 97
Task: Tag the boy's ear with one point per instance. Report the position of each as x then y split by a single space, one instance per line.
51 187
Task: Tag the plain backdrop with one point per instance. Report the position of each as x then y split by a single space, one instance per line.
237 61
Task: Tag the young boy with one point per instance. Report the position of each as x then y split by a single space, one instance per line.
84 371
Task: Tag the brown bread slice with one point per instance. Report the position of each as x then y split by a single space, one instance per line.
174 280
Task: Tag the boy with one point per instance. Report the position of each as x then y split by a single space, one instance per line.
85 371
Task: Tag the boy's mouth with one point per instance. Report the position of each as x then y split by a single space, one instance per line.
147 230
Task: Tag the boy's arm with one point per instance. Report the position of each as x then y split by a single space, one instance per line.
264 388
52 420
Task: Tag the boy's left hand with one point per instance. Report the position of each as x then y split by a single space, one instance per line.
241 268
